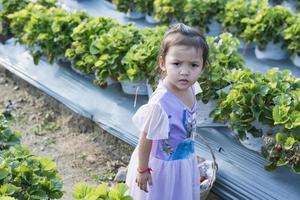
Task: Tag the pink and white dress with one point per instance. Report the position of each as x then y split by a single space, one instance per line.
169 123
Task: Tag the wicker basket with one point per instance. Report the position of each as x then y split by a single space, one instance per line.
214 166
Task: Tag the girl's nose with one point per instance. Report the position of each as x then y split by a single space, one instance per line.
185 70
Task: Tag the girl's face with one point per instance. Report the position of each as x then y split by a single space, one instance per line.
183 66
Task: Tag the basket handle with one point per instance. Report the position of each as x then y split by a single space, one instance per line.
214 163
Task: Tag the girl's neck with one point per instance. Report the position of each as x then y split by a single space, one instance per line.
186 97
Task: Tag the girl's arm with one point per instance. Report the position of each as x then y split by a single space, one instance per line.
143 177
144 150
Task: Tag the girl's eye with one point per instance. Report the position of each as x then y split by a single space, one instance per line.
176 64
195 65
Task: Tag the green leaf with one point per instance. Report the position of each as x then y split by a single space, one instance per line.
262 90
48 164
296 168
290 141
280 138
9 189
296 133
99 63
270 166
282 162
114 195
283 99
7 198
56 184
82 190
36 57
38 195
122 188
127 198
3 172
294 120
102 190
280 114
94 50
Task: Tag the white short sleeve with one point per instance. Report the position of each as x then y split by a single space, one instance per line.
153 120
197 88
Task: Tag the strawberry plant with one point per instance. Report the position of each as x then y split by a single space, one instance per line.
86 191
284 151
223 57
9 7
12 6
236 10
140 60
8 138
110 48
20 18
124 5
168 10
253 97
292 35
61 29
144 6
267 26
49 32
83 36
246 101
200 12
24 176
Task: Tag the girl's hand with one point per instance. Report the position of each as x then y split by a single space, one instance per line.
142 179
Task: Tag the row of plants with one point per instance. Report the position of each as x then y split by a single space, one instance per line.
270 28
192 12
249 102
166 10
251 21
102 46
45 31
108 49
9 7
270 99
25 176
92 44
250 34
81 35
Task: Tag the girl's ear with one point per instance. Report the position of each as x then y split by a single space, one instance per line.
162 63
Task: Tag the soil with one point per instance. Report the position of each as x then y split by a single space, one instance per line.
82 151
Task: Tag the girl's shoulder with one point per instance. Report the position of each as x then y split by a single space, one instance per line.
152 118
157 95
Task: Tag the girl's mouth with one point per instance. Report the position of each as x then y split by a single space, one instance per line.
183 81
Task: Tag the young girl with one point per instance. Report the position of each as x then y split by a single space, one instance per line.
163 165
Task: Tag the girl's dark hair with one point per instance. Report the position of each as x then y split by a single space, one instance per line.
181 34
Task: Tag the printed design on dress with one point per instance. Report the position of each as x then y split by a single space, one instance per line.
189 122
165 146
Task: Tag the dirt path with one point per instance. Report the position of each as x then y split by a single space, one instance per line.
81 150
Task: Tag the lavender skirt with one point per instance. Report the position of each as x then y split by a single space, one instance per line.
172 180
